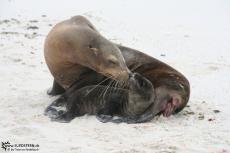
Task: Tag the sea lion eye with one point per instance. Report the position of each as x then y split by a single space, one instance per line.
112 62
90 46
94 49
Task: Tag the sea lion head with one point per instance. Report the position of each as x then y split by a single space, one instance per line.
140 84
173 100
101 55
178 95
141 87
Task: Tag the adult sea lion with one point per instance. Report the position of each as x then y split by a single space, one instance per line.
105 102
170 86
73 48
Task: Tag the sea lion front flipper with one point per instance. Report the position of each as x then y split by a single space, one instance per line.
133 119
129 120
104 118
141 119
64 118
105 114
118 120
147 116
112 105
56 89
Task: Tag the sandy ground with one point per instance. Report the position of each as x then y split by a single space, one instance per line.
193 37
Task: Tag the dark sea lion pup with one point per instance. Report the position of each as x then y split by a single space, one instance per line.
105 102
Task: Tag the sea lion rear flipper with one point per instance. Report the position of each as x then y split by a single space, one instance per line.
56 108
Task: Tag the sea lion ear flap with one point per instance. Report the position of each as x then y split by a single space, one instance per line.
94 50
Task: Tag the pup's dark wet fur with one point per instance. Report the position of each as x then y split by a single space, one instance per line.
105 102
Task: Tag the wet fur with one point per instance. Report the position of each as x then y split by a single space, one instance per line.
104 101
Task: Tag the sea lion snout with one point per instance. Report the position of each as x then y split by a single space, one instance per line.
121 75
110 62
124 75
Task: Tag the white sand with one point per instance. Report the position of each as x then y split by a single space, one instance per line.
194 37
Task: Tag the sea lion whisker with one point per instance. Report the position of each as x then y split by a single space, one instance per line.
123 84
102 92
117 83
97 85
113 87
110 85
106 91
135 67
